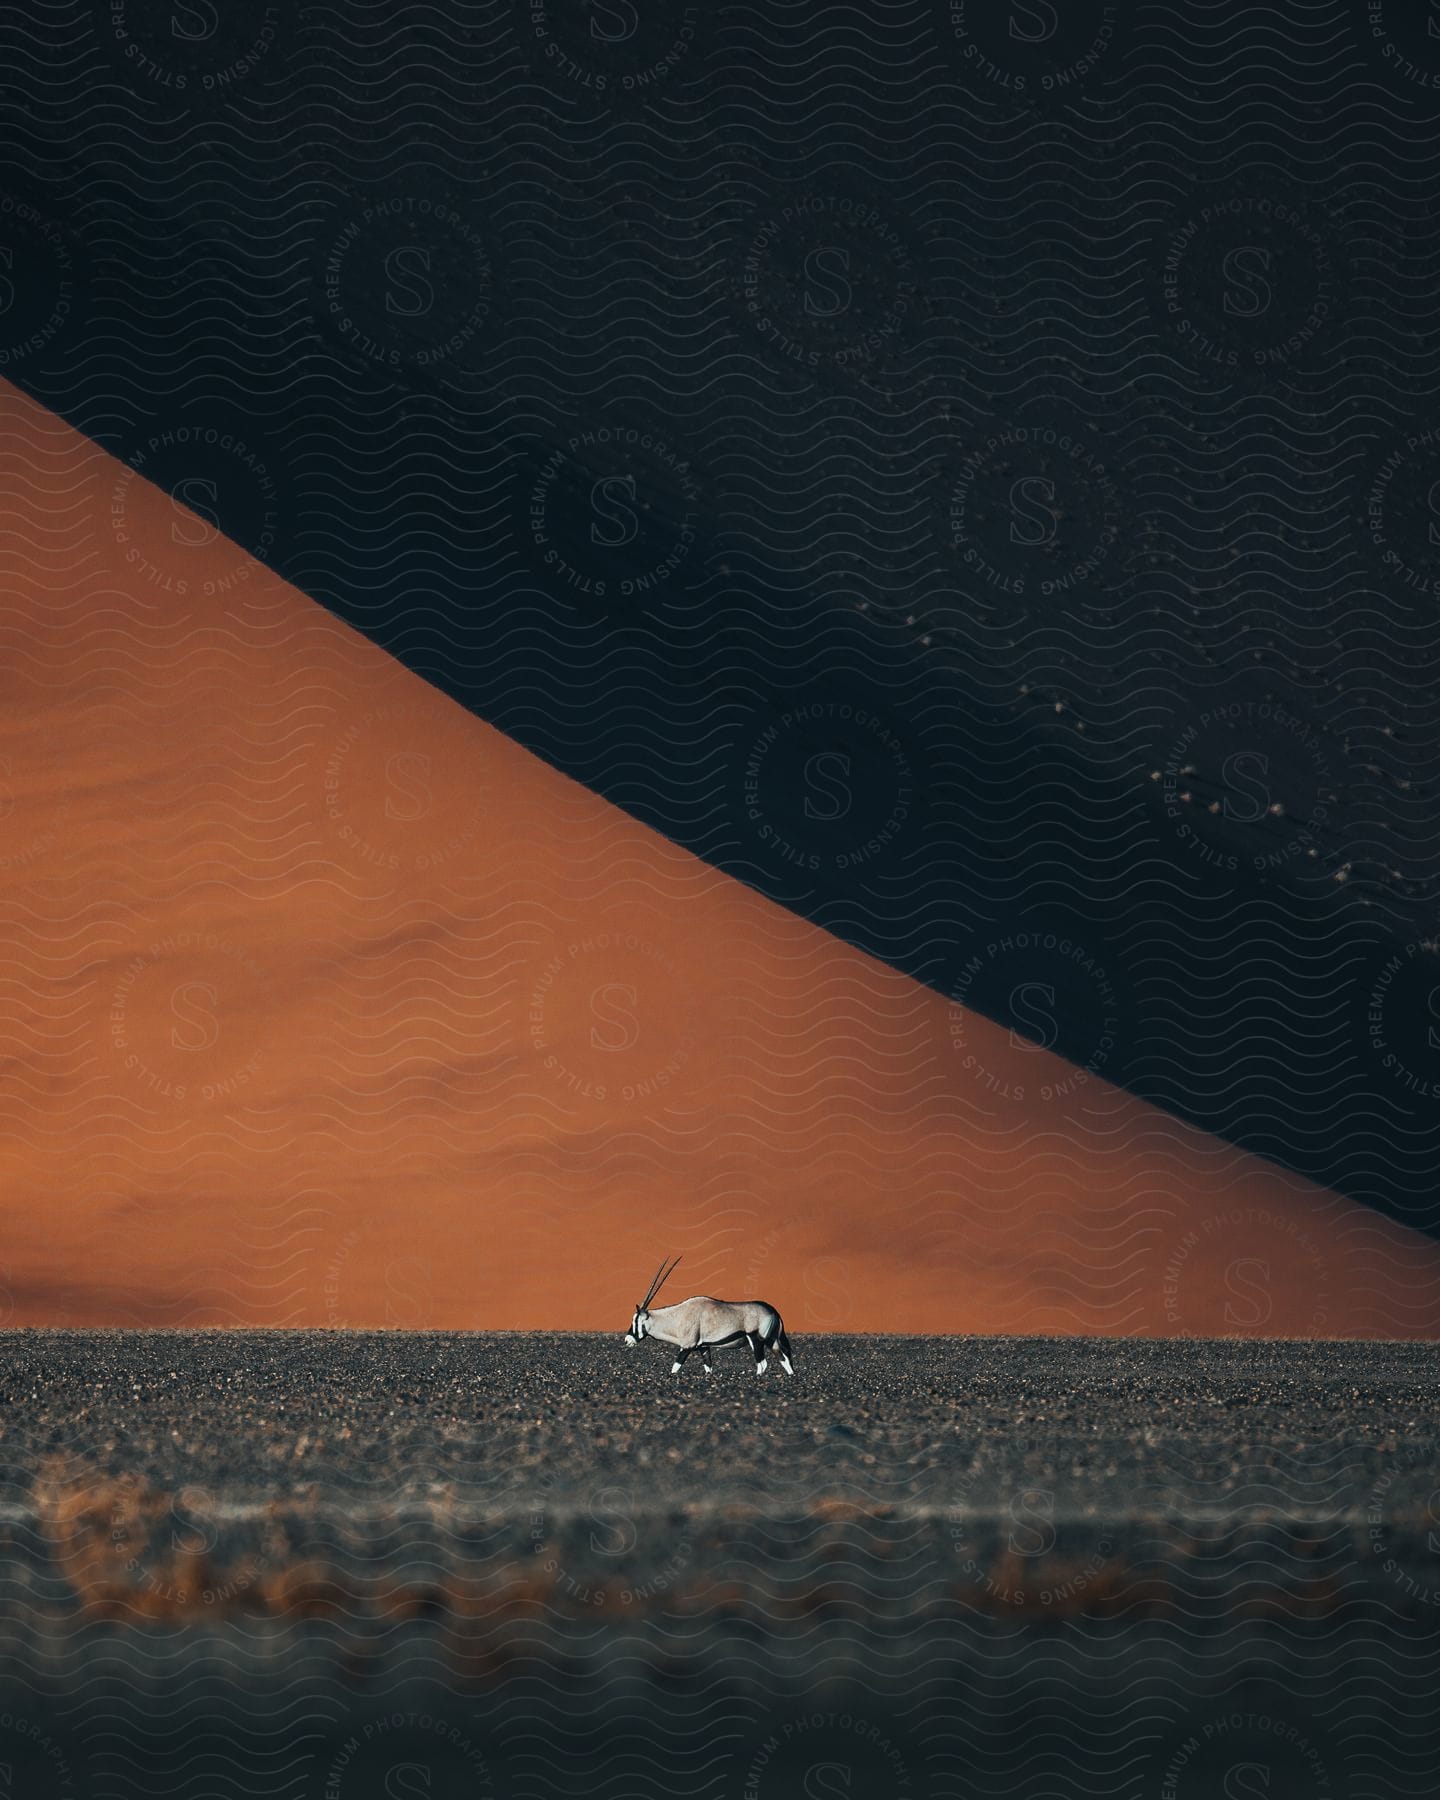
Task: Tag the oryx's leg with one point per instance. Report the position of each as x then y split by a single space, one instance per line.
757 1345
679 1362
705 1358
783 1344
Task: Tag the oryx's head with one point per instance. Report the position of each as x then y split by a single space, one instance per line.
640 1324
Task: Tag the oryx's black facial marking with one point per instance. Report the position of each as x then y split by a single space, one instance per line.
640 1323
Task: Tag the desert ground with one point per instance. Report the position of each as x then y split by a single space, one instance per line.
322 1561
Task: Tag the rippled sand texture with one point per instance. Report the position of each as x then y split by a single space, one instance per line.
324 1003
1031 405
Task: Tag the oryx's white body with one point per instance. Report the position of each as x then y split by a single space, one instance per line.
702 1324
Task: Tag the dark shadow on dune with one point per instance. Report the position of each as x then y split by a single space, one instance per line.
583 569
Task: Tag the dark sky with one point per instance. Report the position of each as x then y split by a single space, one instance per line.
969 472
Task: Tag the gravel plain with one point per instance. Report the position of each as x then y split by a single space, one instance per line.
916 1550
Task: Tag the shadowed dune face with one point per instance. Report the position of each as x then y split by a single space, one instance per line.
324 1003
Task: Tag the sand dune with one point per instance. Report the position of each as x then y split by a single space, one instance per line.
324 1003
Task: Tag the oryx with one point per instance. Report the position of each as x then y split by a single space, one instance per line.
701 1323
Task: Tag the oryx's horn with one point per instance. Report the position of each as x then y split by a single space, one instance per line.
659 1282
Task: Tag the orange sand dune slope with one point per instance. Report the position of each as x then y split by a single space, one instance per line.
322 1002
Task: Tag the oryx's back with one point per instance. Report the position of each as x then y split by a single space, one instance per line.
717 1320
